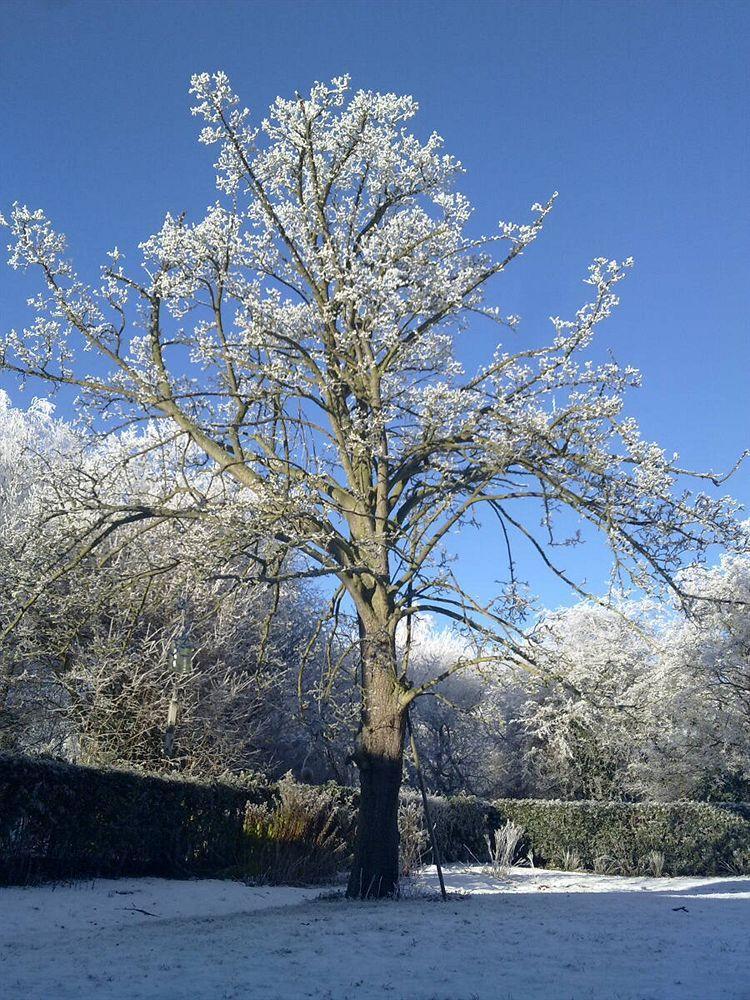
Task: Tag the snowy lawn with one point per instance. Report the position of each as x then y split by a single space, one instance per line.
539 935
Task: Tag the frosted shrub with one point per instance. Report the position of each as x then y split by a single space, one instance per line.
605 865
571 861
501 846
654 863
414 837
739 863
302 838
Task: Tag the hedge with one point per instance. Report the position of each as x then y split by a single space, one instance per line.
694 838
462 823
618 838
60 821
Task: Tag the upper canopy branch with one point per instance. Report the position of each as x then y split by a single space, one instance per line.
300 337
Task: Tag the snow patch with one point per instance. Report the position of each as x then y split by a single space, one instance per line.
535 935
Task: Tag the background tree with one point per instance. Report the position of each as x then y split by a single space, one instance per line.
639 701
87 669
590 717
297 345
705 748
466 731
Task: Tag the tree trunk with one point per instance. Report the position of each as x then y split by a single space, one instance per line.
379 757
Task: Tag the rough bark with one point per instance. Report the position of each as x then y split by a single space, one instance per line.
379 757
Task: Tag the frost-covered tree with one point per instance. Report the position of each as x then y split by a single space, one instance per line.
640 701
297 341
705 747
590 713
33 450
87 671
465 727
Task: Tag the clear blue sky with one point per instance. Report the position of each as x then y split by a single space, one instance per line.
636 112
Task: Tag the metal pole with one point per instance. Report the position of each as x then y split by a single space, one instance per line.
181 661
426 806
171 723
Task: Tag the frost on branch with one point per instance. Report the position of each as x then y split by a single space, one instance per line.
295 347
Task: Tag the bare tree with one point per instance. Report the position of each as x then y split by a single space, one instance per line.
299 338
87 671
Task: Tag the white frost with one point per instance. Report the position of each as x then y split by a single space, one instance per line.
539 935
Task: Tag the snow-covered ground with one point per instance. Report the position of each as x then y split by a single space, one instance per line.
539 935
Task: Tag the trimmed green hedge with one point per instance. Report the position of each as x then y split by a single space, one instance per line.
617 838
695 838
462 824
60 821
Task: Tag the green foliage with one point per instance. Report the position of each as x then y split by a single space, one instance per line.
304 836
615 838
462 825
61 821
624 838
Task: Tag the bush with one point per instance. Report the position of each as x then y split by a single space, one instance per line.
615 838
61 821
627 838
303 837
415 839
502 847
462 825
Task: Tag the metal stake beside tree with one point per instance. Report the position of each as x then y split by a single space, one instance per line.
426 807
182 662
